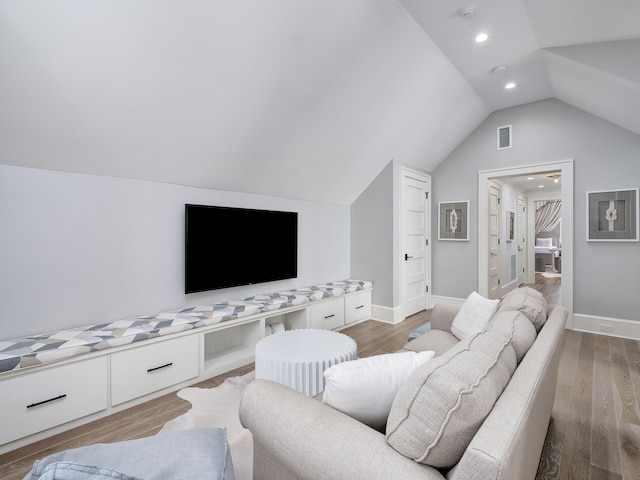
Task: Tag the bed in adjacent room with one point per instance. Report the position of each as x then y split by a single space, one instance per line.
546 250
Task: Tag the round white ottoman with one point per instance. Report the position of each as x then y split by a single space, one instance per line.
298 358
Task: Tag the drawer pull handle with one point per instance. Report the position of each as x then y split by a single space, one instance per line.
329 316
59 397
361 306
158 368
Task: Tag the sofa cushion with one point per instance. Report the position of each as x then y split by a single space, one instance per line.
364 389
436 340
518 328
528 301
186 454
473 316
441 406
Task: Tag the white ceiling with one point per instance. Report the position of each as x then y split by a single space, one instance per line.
583 52
547 183
307 99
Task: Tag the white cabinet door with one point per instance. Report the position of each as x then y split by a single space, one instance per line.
357 307
35 402
139 371
328 314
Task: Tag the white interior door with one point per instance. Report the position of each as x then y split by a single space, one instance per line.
415 242
521 238
495 194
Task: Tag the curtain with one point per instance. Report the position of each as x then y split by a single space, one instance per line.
548 214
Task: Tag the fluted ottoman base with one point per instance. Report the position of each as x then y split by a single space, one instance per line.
298 358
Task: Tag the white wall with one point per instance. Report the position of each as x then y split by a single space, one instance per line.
79 249
376 239
372 236
300 99
605 157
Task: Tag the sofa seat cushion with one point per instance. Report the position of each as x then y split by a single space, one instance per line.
436 340
365 388
473 316
528 301
518 328
441 406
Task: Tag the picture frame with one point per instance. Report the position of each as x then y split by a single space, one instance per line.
511 225
453 221
612 215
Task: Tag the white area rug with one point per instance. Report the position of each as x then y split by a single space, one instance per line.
219 408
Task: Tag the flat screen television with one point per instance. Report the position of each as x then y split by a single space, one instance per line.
229 247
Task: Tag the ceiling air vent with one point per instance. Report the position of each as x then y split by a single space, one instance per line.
504 137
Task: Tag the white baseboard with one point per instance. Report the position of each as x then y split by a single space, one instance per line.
386 314
450 300
614 327
509 286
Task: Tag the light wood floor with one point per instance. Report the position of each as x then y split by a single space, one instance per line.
550 287
594 432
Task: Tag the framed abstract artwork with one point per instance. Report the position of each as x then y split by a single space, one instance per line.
453 221
612 216
511 227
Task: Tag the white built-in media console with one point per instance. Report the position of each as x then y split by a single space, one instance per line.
50 397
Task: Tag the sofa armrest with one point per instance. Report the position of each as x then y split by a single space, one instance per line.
297 437
442 316
510 440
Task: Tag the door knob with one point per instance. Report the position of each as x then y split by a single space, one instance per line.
407 257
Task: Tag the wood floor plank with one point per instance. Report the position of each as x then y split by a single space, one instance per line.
551 457
632 350
576 455
552 450
600 474
569 358
604 431
628 414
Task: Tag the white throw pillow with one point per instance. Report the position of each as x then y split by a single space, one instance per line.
365 388
544 242
442 405
473 316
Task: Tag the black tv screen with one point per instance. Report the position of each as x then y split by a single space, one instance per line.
229 247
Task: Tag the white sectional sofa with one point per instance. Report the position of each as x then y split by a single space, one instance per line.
483 430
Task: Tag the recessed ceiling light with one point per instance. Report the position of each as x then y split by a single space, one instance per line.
468 11
510 85
540 186
481 37
529 178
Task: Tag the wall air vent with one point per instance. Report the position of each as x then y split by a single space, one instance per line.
504 137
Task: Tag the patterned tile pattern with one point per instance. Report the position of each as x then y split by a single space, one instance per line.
54 346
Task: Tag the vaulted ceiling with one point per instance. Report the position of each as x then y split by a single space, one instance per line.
304 99
585 53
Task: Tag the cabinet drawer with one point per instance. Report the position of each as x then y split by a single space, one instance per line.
37 401
328 314
357 307
139 371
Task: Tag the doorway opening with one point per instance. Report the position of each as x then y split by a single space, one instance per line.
547 246
565 170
